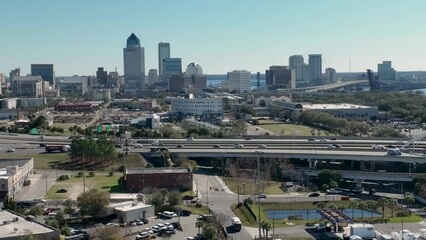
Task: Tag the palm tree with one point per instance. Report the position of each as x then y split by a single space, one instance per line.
391 204
199 224
266 226
321 205
362 206
353 205
372 205
382 202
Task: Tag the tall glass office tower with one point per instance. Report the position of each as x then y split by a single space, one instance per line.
134 63
163 53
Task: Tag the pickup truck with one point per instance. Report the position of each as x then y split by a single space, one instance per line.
334 191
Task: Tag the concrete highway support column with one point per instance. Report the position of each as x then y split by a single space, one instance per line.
312 164
362 166
373 166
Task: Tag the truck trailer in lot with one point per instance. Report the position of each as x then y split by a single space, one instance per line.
58 148
365 231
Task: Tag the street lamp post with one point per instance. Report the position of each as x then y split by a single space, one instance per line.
258 153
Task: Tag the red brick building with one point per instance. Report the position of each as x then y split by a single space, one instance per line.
76 107
170 178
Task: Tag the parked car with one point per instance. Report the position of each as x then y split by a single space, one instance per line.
10 150
262 195
62 190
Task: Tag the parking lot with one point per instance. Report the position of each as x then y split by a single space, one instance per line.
187 223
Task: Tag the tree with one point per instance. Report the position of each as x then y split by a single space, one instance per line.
382 202
266 226
372 205
362 206
9 203
321 205
353 205
326 176
157 199
107 233
248 201
92 202
209 232
247 109
391 203
199 224
69 203
173 198
36 211
409 198
65 230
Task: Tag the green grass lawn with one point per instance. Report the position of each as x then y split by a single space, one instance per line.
290 129
100 181
50 160
248 187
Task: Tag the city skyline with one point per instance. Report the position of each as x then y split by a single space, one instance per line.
221 36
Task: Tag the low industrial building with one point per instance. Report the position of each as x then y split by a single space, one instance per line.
15 226
141 104
170 178
129 211
76 107
151 121
341 110
13 173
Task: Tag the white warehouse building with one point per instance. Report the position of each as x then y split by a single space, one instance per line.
190 106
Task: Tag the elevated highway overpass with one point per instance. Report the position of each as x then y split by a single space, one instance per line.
373 176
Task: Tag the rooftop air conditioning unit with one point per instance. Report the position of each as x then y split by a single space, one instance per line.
15 219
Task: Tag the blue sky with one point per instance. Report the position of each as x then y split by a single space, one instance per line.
221 35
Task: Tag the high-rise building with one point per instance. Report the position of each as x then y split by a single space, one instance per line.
280 77
28 86
134 63
172 66
258 80
315 69
239 81
163 53
45 71
113 80
385 71
14 73
152 76
193 69
330 76
296 62
102 76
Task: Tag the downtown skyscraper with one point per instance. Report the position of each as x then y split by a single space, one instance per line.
315 69
134 63
163 53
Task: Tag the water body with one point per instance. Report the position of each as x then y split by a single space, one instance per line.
312 214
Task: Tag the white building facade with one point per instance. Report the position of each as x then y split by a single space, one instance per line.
28 86
196 106
239 81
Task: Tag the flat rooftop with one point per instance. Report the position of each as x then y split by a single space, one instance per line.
334 106
10 162
17 228
129 205
156 170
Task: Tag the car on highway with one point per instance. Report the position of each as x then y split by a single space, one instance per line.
179 146
248 138
262 195
311 139
137 145
394 152
334 191
217 146
239 145
377 147
314 194
323 140
333 139
390 146
190 139
263 146
10 150
372 191
337 145
331 147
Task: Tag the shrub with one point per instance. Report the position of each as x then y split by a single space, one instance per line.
111 174
91 174
80 174
404 213
62 177
198 205
122 168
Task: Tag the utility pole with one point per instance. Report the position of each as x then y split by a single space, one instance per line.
207 195
258 153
